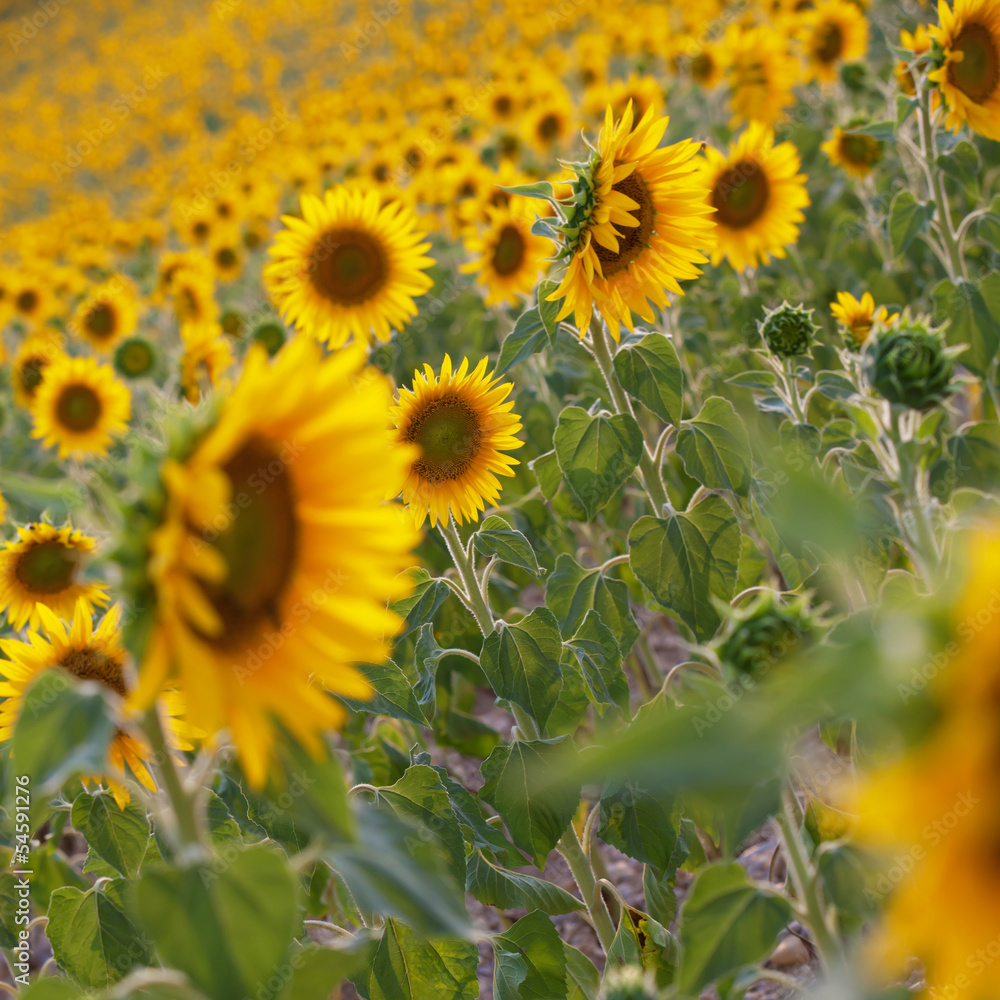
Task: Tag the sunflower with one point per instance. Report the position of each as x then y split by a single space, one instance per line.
707 66
226 257
969 36
348 267
275 560
918 42
37 351
41 567
31 299
549 123
859 317
836 33
509 256
207 357
758 194
856 152
648 222
107 314
463 428
760 74
194 297
80 406
88 654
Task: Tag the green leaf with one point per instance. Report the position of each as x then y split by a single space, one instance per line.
421 797
63 729
227 923
393 694
973 314
528 337
715 448
726 924
687 559
547 472
530 963
571 591
596 650
317 971
394 870
92 939
540 189
549 310
521 784
975 454
907 219
649 370
427 654
313 794
582 976
406 967
496 537
596 454
521 662
962 163
508 890
754 379
637 824
117 836
428 595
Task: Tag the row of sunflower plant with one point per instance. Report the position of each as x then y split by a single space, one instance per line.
642 643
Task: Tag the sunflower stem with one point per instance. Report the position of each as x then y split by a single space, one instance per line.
583 874
957 268
472 594
187 829
649 469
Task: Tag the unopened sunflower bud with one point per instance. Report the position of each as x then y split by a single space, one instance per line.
788 330
909 365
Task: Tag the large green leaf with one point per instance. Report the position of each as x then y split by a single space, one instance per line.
316 971
528 337
392 694
571 591
92 939
419 607
522 785
727 923
596 454
908 218
715 447
530 963
406 967
507 890
637 823
521 662
63 729
972 310
582 976
496 537
649 370
421 797
227 922
118 836
687 559
600 658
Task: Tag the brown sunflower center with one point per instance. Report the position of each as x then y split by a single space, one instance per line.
503 105
47 567
978 73
508 254
633 239
741 194
449 435
862 150
381 172
200 230
828 42
93 665
78 408
135 358
702 66
549 127
349 266
27 301
31 373
101 320
188 304
258 541
225 258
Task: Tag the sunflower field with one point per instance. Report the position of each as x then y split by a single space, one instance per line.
500 499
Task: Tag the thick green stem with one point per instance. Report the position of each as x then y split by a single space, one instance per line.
188 831
583 874
649 468
472 595
812 911
792 386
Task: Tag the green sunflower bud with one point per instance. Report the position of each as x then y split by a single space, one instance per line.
628 983
271 335
233 323
136 358
764 632
788 330
910 365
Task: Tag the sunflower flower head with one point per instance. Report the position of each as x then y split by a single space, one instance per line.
859 317
462 425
